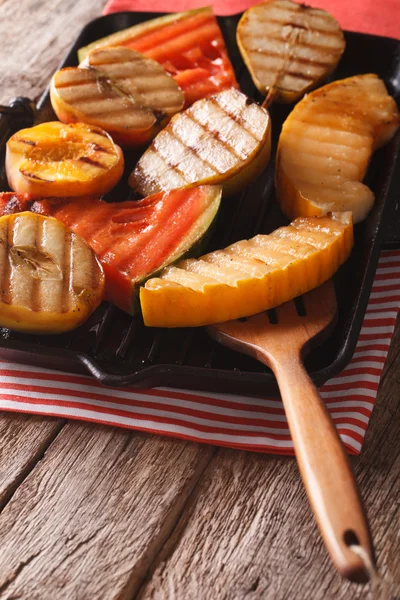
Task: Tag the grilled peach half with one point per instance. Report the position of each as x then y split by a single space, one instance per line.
50 278
123 92
224 140
59 160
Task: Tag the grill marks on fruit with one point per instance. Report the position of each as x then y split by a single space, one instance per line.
91 161
288 46
50 279
26 173
36 272
67 266
182 158
63 150
29 142
5 263
252 258
20 241
44 266
212 131
119 88
210 138
103 102
40 266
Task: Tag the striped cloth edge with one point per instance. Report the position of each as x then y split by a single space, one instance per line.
221 419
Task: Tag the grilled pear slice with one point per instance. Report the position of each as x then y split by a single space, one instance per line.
288 48
220 140
326 144
50 278
250 276
123 92
59 160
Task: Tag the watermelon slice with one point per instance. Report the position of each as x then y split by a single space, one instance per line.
132 239
189 45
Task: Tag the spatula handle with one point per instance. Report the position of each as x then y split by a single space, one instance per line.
325 470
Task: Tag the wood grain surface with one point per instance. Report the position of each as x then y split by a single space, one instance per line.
88 512
24 439
90 519
34 37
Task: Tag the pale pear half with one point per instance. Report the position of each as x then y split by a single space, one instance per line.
326 144
289 48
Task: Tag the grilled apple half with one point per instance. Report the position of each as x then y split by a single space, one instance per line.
222 140
326 144
123 92
50 278
288 47
250 276
56 159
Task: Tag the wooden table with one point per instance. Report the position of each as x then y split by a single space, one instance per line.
92 512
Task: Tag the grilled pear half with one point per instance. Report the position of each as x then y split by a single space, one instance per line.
120 90
50 278
222 140
288 48
250 276
326 144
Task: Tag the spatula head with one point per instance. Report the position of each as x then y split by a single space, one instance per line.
291 327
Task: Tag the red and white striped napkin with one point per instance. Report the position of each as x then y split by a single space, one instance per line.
257 424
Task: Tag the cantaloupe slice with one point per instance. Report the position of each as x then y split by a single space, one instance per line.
250 276
326 144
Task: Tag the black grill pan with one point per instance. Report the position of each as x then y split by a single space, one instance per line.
118 350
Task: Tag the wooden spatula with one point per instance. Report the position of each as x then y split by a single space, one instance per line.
321 457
